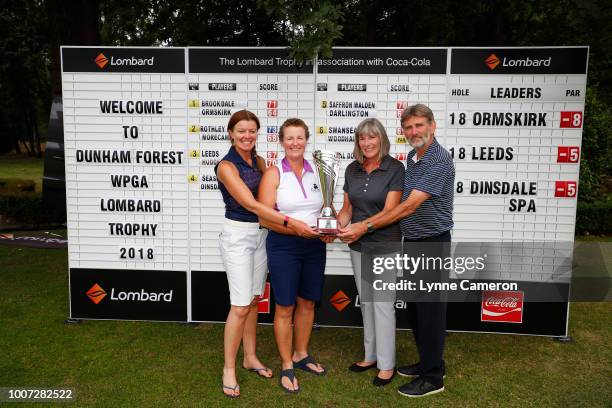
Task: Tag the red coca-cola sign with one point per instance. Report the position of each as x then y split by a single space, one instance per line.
502 306
263 306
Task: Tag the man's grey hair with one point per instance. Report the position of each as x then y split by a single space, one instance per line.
418 110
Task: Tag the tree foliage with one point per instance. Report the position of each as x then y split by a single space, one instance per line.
187 23
25 93
310 27
596 161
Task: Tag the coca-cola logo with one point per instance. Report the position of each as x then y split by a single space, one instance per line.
263 306
502 306
507 302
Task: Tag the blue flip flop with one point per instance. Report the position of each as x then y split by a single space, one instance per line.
290 374
234 388
303 365
259 370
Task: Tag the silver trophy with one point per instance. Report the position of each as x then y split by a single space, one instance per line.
328 168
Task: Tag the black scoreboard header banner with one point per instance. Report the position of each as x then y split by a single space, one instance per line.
125 60
240 60
385 61
427 61
504 61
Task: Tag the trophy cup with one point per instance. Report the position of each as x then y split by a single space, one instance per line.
328 168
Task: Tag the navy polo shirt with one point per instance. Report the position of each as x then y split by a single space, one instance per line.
434 174
251 176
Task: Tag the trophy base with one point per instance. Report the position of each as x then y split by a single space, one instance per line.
327 226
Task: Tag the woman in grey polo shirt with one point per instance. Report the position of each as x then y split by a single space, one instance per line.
373 184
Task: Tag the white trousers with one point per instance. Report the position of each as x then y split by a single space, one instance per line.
378 324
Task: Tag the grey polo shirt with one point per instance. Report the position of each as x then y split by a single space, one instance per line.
434 174
368 193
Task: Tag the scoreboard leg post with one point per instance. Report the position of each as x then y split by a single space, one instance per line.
563 339
70 320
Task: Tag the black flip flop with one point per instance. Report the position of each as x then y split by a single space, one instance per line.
303 365
290 374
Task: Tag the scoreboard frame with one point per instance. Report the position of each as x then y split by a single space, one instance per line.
509 113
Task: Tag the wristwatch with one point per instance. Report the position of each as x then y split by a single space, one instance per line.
370 227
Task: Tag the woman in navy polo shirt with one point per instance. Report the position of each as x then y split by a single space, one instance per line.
296 264
242 244
373 184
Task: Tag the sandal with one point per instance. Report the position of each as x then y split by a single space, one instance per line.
234 388
259 370
303 365
290 374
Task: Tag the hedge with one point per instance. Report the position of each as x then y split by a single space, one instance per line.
10 185
594 218
26 208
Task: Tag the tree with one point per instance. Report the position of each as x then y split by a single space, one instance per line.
310 27
187 23
24 91
71 22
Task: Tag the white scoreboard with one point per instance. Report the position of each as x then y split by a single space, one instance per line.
145 127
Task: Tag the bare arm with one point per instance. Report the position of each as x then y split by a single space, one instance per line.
228 174
403 210
267 196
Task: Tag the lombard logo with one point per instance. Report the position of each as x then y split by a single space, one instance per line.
339 301
493 61
399 304
101 61
96 294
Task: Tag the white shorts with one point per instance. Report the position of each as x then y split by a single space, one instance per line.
243 249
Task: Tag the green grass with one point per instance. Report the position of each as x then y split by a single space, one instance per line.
23 168
593 238
118 364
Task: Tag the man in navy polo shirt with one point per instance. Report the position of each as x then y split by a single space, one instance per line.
425 216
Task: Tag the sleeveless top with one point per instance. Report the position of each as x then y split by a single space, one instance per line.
251 176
